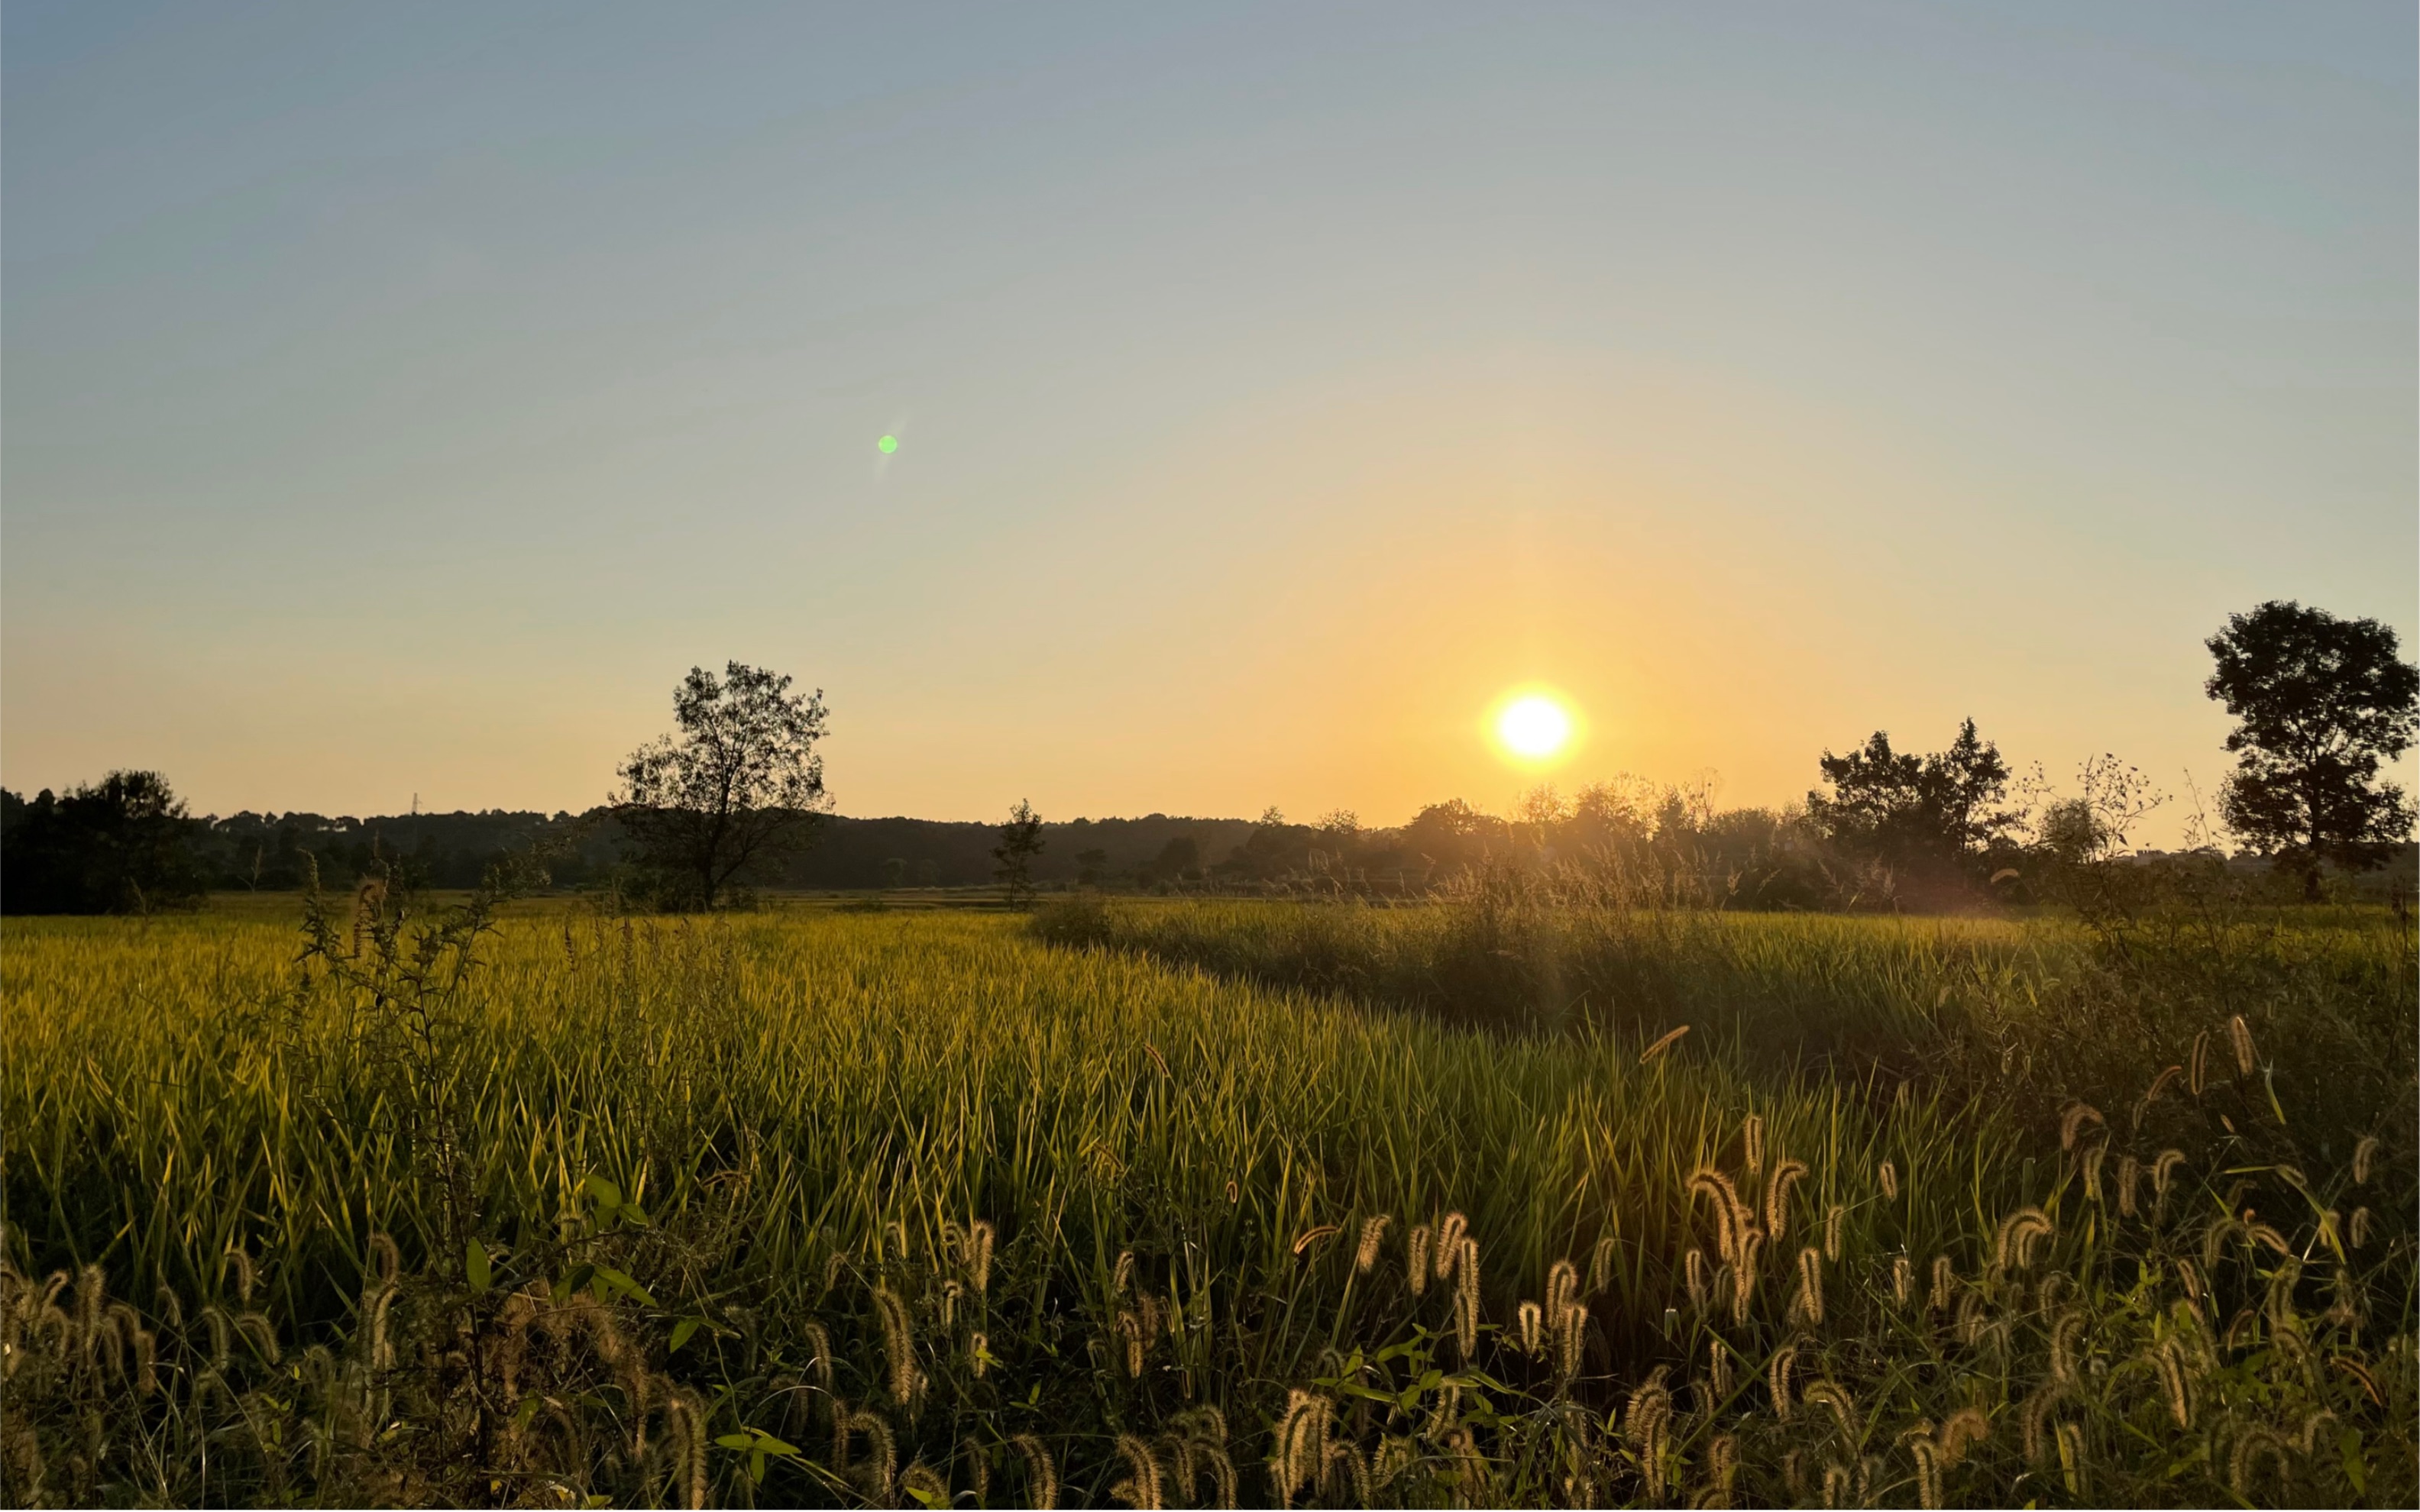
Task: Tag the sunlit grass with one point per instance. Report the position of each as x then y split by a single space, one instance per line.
1178 1165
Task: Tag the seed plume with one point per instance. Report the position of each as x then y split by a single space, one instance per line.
1744 1279
1373 1232
1466 1298
1600 1265
1966 1427
1142 1488
1778 1375
898 1344
2240 1033
1808 1306
1777 1199
1042 1477
1533 1319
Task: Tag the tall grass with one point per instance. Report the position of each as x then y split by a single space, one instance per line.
2034 1013
883 1209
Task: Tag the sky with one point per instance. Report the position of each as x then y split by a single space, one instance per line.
397 400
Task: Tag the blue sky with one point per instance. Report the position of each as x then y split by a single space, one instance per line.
398 399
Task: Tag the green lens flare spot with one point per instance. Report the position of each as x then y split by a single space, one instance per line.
888 444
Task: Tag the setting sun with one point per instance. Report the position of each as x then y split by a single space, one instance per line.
1534 726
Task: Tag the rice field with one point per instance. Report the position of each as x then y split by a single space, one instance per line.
1183 1205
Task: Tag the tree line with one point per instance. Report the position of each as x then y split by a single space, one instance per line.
733 800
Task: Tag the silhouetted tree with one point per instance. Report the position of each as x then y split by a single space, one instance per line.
1932 815
1181 855
740 787
1021 842
2320 703
123 845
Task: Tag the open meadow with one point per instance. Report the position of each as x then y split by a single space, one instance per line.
1189 1203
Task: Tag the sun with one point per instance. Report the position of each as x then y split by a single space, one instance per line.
1534 727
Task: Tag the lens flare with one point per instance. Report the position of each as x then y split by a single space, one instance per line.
1533 726
887 445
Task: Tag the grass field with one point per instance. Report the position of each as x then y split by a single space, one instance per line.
1179 1204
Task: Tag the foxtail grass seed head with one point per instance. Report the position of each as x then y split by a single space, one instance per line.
1730 1214
1313 1235
1836 1398
1777 1199
1752 1145
2071 1459
2169 1359
1902 1279
2093 1155
2358 1231
1374 1233
1808 1306
2308 1440
979 1242
1966 1427
1465 1297
1571 1339
1838 1481
2159 1085
1449 1244
819 1356
2130 1175
1777 1379
1744 1279
1142 1488
1832 1220
1417 1273
1693 1269
1041 1475
246 1277
880 1468
1533 1319
1129 1328
2363 1153
2063 1337
1945 1283
2240 1034
1124 1274
1888 1175
1722 1470
2020 1232
1928 1470
1663 1043
1563 1288
1600 1265
2071 1122
898 1344
1719 1367
2035 1418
